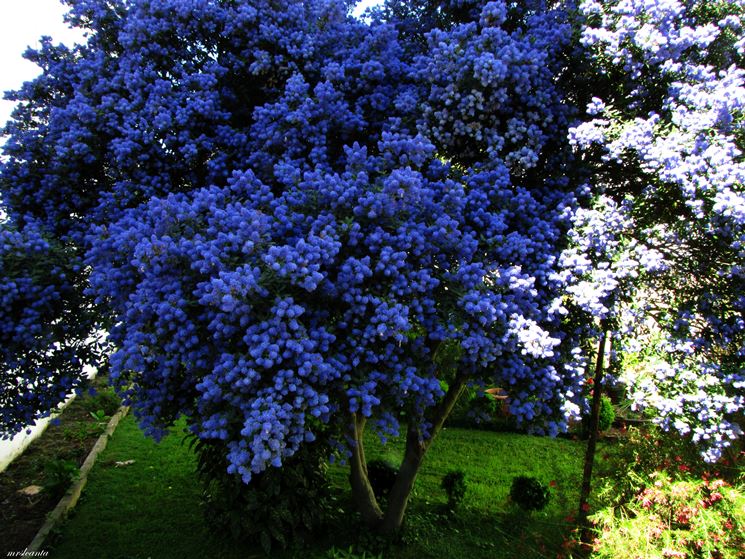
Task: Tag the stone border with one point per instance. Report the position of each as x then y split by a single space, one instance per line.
70 498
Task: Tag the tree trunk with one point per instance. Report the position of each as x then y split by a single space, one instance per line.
591 442
398 499
362 492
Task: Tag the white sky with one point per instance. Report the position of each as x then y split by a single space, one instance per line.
22 22
364 4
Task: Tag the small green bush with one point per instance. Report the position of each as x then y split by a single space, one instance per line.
59 475
607 414
529 494
280 507
455 485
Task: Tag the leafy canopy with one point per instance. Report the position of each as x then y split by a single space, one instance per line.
283 215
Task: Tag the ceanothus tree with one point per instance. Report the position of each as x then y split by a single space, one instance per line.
296 224
665 138
292 218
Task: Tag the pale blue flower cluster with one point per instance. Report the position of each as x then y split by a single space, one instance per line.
671 127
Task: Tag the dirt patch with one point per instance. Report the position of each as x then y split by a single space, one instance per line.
51 462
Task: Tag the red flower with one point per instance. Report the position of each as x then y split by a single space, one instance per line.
715 497
685 515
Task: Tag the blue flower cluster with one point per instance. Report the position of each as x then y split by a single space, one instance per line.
489 84
39 308
259 314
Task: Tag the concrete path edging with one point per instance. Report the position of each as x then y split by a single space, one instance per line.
70 498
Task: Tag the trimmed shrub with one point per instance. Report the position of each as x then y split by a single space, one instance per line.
455 485
607 414
529 494
280 507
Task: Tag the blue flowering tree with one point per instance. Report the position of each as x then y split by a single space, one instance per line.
298 224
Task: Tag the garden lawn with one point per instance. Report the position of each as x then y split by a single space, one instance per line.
151 507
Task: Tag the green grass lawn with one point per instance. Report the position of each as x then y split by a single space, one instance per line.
150 508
